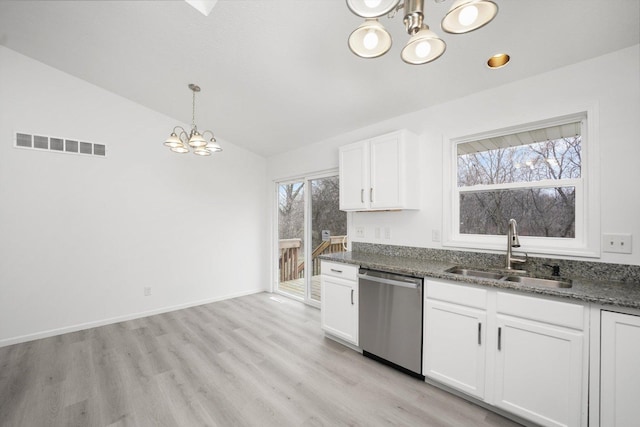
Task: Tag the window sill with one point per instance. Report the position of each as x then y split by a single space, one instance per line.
530 249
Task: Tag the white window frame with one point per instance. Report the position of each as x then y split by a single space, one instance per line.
587 226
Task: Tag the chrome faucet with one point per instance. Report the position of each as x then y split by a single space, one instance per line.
513 242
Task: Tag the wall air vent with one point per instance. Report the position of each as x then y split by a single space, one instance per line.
71 146
61 145
24 140
56 144
41 142
86 148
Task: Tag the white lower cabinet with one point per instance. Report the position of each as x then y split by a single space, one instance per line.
619 369
339 301
538 371
455 338
525 355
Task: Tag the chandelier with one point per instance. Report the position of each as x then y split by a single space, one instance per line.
371 40
181 141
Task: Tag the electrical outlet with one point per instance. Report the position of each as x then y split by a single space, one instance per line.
435 235
359 231
147 291
616 243
376 232
387 233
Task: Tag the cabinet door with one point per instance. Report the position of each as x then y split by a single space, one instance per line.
539 371
385 190
620 369
354 176
454 346
340 308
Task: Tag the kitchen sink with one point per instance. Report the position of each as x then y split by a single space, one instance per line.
550 283
524 280
475 273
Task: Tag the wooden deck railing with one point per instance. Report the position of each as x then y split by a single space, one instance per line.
292 263
289 259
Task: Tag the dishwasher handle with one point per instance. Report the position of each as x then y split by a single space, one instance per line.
392 282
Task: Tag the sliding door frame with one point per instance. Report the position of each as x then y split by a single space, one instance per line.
275 279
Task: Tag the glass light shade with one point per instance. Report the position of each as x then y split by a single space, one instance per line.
469 15
424 46
213 146
370 40
180 149
371 8
173 141
202 151
196 140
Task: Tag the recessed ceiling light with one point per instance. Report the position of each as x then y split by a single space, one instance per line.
498 61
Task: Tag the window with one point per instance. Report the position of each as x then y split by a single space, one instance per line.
536 174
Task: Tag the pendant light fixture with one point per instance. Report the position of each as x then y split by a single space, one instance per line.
179 141
371 40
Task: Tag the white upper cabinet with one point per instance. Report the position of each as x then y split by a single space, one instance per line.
354 176
380 173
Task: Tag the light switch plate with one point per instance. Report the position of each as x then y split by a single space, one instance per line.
616 243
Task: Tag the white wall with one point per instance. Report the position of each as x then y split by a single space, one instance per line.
610 82
81 236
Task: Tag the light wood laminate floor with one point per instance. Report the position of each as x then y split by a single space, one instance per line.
250 361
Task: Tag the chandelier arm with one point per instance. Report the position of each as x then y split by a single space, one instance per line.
208 131
181 129
181 134
395 10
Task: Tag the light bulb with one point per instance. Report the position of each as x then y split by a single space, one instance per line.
370 40
468 15
423 49
372 3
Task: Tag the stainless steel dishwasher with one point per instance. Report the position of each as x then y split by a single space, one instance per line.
390 319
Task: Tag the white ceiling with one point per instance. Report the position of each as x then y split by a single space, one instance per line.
277 74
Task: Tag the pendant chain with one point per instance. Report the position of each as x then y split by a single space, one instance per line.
193 114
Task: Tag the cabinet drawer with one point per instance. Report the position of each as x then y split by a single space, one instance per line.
336 269
457 294
543 310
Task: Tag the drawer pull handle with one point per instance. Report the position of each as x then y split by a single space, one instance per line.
336 271
371 194
351 296
479 333
362 195
499 339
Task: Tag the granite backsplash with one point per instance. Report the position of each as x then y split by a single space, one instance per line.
568 268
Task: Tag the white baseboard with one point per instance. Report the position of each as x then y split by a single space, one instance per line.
73 328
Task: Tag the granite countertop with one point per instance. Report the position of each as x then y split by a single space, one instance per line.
621 294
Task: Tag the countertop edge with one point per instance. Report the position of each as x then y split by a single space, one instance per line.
615 294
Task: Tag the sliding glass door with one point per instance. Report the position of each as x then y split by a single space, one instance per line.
291 233
309 225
